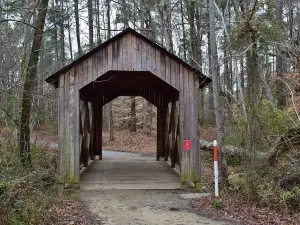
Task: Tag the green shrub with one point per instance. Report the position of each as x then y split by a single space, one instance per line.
217 203
290 199
234 159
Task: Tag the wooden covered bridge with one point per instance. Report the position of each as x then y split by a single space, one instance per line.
129 64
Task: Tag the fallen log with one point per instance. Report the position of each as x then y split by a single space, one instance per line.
232 151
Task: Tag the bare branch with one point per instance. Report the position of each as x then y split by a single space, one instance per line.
19 21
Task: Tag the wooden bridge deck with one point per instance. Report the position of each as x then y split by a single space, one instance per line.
129 173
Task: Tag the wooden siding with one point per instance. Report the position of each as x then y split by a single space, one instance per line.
129 53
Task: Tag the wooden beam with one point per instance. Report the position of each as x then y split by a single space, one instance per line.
172 134
86 129
100 131
167 120
92 132
62 127
177 142
158 139
196 132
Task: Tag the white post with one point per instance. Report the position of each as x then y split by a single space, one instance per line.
216 170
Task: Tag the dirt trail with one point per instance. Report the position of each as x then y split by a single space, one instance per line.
142 207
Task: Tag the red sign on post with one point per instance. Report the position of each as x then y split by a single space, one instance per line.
187 145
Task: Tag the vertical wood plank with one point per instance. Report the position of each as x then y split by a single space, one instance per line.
100 63
90 70
86 130
109 57
163 128
158 63
133 53
181 112
66 131
172 69
191 124
79 74
115 53
121 58
95 127
125 53
85 76
163 66
76 131
152 60
129 51
100 126
71 127
148 57
172 134
144 55
139 54
185 161
105 59
95 65
168 72
158 139
92 133
177 75
167 121
61 126
196 155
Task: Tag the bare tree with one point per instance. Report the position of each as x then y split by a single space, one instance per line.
279 57
77 27
216 91
31 74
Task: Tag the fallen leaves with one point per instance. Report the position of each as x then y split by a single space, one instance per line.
71 212
131 142
243 212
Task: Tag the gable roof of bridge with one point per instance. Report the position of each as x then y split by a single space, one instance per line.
53 79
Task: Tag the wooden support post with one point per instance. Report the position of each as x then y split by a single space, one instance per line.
69 130
92 132
95 129
196 132
167 146
86 129
163 128
185 119
177 142
172 134
158 137
100 128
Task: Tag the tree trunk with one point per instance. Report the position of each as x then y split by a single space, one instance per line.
183 30
91 28
168 19
145 117
279 58
132 126
62 36
253 91
98 23
70 40
31 74
216 93
77 27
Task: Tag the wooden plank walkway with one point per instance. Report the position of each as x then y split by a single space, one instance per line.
129 174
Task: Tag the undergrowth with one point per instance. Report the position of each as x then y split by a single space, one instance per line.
256 177
27 194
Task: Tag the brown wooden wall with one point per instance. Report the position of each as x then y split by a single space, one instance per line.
129 53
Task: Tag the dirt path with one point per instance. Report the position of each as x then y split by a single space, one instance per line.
142 207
